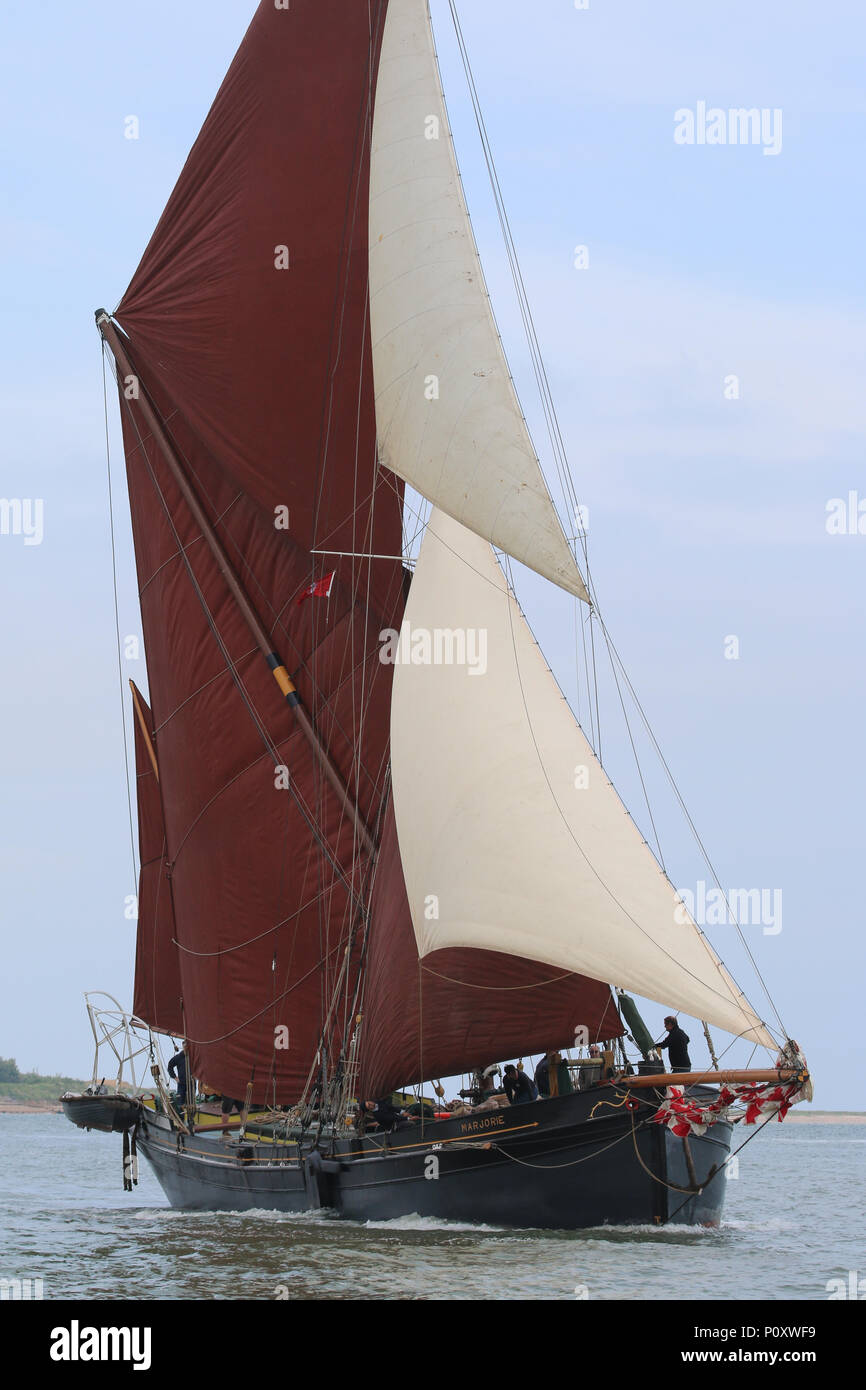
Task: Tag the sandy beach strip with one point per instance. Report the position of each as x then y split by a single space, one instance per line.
27 1107
826 1117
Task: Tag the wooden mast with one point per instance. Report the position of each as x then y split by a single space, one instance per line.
251 617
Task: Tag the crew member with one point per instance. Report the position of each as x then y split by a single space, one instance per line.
387 1115
178 1070
519 1087
227 1105
677 1044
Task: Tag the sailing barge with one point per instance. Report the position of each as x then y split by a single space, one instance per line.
376 846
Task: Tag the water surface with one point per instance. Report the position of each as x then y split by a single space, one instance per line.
794 1220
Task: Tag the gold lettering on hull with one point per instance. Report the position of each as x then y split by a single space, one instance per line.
489 1122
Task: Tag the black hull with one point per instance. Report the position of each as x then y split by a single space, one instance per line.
545 1165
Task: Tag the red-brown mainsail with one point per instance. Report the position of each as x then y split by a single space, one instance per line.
262 380
247 332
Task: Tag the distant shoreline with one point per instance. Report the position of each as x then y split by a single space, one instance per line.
800 1117
28 1107
826 1117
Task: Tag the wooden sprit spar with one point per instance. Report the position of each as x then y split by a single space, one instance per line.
712 1078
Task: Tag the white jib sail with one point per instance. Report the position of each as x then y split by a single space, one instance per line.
448 417
511 836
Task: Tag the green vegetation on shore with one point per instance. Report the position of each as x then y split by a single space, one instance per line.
31 1086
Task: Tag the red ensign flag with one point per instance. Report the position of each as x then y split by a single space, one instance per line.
321 588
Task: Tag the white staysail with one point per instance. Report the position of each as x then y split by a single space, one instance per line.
511 836
448 418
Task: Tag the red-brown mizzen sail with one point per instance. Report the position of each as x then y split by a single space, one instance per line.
157 994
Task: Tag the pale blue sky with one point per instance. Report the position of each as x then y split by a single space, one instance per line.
707 516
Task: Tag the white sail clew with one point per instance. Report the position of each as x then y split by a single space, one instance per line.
503 846
448 418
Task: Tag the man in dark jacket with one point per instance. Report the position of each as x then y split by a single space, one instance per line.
388 1116
677 1044
519 1088
382 1115
178 1069
553 1076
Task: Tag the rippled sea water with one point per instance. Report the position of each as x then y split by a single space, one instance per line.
795 1219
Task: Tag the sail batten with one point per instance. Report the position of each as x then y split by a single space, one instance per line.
448 416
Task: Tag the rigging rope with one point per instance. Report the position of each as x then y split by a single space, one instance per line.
724 1165
538 364
270 747
726 995
524 1163
691 824
568 487
709 1039
672 1186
